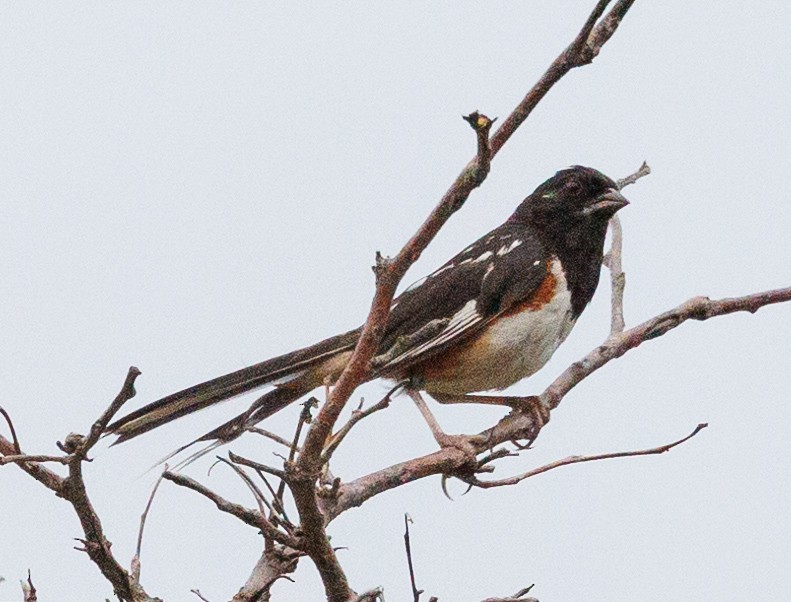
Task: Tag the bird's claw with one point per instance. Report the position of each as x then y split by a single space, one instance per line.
535 407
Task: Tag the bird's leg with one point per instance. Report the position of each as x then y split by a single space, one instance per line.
530 404
441 437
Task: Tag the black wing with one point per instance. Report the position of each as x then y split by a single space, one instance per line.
502 268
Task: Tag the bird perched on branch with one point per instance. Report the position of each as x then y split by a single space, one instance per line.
491 316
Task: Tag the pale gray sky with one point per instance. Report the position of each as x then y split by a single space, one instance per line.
191 187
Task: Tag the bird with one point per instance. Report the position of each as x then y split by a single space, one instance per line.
489 317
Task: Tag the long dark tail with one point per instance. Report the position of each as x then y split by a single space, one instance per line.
299 372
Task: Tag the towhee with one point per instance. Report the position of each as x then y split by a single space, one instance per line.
491 316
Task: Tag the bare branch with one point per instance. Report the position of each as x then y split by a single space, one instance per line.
373 595
275 563
517 597
304 418
143 517
126 393
632 178
579 459
270 435
72 488
451 460
10 423
263 505
581 51
95 544
617 277
697 308
45 476
613 258
357 415
246 515
408 547
197 593
237 459
481 124
22 458
28 589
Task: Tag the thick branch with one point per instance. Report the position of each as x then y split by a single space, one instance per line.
274 564
95 543
697 308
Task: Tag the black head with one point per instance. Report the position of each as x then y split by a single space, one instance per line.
569 214
578 198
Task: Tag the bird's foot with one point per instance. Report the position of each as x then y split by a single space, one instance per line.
535 408
460 442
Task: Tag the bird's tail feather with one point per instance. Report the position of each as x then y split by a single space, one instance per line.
192 399
266 405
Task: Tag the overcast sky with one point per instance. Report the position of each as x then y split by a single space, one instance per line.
192 187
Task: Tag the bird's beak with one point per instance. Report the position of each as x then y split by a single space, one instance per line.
608 202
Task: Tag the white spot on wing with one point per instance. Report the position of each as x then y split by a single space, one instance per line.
443 269
413 286
287 378
483 257
463 319
423 280
505 250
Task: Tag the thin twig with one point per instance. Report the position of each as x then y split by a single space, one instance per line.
263 505
356 416
517 597
143 517
277 513
95 544
579 459
28 589
10 423
613 259
22 458
643 171
126 393
304 418
51 480
580 52
408 547
270 435
197 593
237 459
246 515
617 276
373 595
